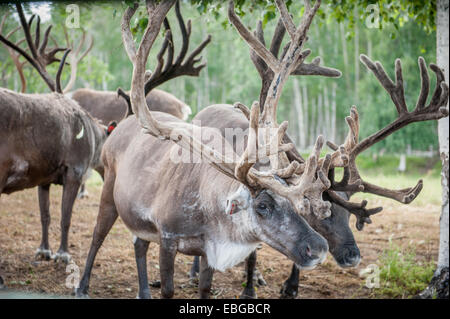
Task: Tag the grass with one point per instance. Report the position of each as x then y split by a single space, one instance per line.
401 274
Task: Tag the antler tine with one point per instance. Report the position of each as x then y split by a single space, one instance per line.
259 63
251 40
170 47
37 32
395 90
286 18
58 74
358 209
185 33
352 181
26 29
2 23
15 56
126 97
38 59
249 157
76 56
177 68
440 95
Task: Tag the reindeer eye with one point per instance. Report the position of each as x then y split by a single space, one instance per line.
262 209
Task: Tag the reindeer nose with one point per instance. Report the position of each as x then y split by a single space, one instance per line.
315 249
308 250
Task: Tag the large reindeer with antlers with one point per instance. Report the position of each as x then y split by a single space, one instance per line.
175 204
334 228
46 138
346 154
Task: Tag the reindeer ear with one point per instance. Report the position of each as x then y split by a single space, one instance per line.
111 126
238 201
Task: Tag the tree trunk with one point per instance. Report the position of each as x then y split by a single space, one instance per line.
306 122
439 283
300 114
356 96
333 113
345 56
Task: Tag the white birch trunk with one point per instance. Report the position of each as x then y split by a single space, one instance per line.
300 119
442 61
333 113
307 121
438 286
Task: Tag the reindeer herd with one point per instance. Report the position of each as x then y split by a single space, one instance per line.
217 208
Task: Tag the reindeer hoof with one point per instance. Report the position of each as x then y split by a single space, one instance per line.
259 280
80 294
248 294
2 283
41 253
83 195
144 294
288 292
155 284
62 256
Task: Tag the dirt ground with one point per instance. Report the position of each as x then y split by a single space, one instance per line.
114 274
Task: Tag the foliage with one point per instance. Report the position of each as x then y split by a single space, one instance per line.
230 76
401 274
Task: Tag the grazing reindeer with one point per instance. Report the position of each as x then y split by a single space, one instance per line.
46 138
221 209
351 182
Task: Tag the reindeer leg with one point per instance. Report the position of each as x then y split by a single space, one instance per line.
83 192
249 290
106 218
290 286
206 276
140 251
44 252
195 269
70 190
167 253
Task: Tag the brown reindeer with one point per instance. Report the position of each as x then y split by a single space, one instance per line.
108 106
46 138
220 208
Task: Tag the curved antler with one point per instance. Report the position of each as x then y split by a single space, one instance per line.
345 155
40 56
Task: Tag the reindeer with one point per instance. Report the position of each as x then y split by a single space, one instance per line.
351 182
111 107
334 228
108 106
46 138
181 211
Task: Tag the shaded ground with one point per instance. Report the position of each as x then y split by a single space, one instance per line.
114 274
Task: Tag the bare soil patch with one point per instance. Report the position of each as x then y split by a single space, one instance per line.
114 274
